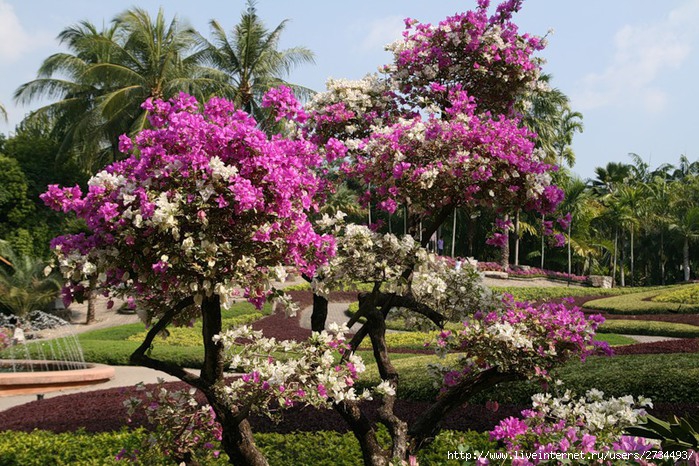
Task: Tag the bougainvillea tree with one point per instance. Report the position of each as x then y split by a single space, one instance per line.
205 209
438 130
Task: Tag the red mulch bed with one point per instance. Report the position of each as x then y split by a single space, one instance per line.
103 410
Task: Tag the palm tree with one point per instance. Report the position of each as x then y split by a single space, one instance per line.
686 168
659 198
3 113
23 285
101 82
632 198
250 57
549 115
575 203
687 225
610 177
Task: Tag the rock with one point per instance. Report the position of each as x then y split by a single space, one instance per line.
600 281
495 274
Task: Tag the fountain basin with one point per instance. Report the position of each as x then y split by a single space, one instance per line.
40 377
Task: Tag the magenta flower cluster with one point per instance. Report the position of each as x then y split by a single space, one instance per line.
205 202
588 426
523 339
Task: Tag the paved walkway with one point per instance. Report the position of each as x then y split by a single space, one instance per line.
124 376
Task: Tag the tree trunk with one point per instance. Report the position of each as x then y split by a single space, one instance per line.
570 256
662 257
91 301
632 260
505 250
542 240
616 239
622 275
453 234
517 238
685 261
320 313
237 439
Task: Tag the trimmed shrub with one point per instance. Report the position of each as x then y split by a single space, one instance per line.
639 303
687 294
40 448
649 327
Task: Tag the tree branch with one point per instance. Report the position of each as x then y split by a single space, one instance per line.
426 426
409 302
139 357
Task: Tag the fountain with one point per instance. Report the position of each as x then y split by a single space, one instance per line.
46 365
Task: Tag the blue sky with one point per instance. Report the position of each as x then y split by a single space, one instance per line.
630 66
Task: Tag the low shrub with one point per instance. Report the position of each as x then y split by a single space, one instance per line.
40 448
687 294
661 377
640 303
649 327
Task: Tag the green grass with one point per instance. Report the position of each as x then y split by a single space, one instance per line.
614 339
639 303
649 327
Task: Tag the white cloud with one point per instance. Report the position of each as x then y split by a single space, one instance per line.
381 32
14 39
642 53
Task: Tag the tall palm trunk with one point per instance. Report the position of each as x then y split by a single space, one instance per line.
616 240
632 261
517 238
685 261
622 275
91 301
543 239
570 256
505 250
662 257
453 234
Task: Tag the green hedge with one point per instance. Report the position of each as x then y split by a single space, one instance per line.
687 294
649 327
661 377
41 448
640 303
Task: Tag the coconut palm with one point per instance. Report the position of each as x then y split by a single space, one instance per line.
98 86
250 57
23 285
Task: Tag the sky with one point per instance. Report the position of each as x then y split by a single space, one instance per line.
629 66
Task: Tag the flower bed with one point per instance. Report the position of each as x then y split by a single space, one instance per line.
531 272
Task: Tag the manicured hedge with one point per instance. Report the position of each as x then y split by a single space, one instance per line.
639 303
687 294
661 377
41 448
649 327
